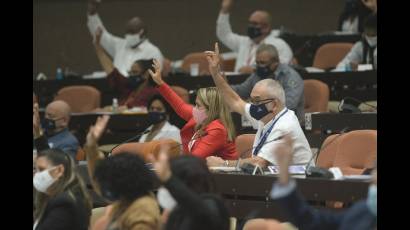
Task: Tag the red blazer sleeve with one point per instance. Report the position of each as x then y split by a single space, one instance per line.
117 81
211 143
183 109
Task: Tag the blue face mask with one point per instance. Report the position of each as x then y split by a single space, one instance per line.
156 117
372 199
259 111
254 32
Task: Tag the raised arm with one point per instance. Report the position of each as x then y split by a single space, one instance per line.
232 99
224 30
103 57
108 41
183 109
199 208
91 148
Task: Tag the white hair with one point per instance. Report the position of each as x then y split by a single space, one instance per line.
273 88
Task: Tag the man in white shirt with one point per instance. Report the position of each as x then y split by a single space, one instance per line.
126 51
268 113
259 32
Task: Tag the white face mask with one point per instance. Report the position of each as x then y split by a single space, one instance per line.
372 41
43 180
132 40
165 199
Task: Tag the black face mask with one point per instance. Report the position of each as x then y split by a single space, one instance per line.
259 111
254 32
49 126
134 81
263 71
156 117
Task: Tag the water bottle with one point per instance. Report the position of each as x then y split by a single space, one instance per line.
114 105
348 67
59 75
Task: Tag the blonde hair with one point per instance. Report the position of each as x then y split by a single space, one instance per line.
70 182
216 109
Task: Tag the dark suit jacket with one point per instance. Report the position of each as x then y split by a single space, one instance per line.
63 213
357 217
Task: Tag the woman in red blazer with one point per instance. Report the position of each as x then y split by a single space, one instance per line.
209 130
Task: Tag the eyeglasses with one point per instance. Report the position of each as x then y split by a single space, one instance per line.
263 101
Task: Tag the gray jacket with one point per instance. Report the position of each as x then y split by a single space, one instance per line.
291 82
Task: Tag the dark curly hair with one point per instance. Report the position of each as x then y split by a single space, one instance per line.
193 172
162 100
124 177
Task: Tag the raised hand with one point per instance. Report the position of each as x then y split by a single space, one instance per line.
226 6
156 76
283 152
213 60
161 164
96 131
93 6
371 4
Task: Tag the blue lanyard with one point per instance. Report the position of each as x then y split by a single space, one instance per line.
265 136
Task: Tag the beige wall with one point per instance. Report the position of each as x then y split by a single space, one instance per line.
177 27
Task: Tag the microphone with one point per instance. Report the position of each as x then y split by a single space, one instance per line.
128 140
350 108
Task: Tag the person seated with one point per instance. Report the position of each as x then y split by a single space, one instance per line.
134 90
362 215
158 115
267 112
53 132
126 182
269 67
259 32
209 130
365 50
135 45
354 13
60 196
186 194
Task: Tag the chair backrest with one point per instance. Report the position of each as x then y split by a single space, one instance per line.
229 65
316 95
357 151
81 98
244 145
328 151
330 54
182 92
147 148
352 152
198 58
